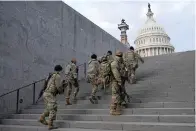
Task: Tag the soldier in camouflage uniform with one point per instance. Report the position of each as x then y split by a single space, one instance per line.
71 73
105 73
123 88
93 76
131 60
109 56
115 108
54 87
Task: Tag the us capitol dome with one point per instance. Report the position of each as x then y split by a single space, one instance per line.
152 39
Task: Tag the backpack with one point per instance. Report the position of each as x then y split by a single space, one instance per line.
130 56
105 69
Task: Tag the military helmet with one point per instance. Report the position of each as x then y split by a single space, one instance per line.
58 68
93 56
131 48
109 52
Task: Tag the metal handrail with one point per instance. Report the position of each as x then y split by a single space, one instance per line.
34 86
21 87
28 85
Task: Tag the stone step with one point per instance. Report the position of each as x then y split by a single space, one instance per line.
138 100
145 92
122 118
143 95
159 88
62 105
150 126
37 128
140 111
138 94
160 82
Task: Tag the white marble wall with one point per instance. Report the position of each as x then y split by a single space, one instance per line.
148 40
154 51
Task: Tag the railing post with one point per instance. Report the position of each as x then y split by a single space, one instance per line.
17 100
85 70
33 93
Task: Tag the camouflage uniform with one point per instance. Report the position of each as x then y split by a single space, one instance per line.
123 88
131 61
116 85
110 58
93 76
138 57
54 87
71 77
103 76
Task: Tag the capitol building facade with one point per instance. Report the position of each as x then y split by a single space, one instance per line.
152 39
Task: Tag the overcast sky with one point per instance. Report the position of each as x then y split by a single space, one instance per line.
177 17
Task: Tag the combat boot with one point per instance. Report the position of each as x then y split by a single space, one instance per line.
50 125
67 101
43 120
74 97
124 105
133 81
91 100
112 110
128 98
128 80
115 110
118 110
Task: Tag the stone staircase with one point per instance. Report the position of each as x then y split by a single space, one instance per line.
162 100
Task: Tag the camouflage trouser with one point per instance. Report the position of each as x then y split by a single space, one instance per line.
50 106
72 83
105 83
95 83
123 92
115 94
131 70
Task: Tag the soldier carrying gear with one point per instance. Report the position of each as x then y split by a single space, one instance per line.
123 88
115 107
131 62
105 73
93 77
44 86
109 56
71 73
54 86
